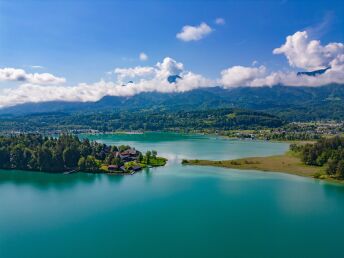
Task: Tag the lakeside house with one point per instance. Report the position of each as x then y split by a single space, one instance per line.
112 168
126 156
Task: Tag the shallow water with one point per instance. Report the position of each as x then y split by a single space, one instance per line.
174 211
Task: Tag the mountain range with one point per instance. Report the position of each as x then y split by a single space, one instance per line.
288 102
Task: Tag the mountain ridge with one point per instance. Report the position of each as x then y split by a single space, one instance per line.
328 100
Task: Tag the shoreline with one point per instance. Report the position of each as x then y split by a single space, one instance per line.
100 171
188 133
199 133
287 163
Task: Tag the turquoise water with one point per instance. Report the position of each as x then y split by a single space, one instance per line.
174 211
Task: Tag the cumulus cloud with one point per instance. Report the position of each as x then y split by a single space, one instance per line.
168 67
194 33
134 72
143 56
148 79
220 21
301 52
238 76
161 70
308 54
19 75
241 76
292 79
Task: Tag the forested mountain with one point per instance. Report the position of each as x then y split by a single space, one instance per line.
290 103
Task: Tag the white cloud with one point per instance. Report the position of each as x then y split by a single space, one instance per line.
148 79
237 76
308 54
19 75
300 52
132 73
190 33
143 56
168 67
292 79
161 71
37 67
220 21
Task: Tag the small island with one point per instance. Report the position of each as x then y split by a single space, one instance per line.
323 160
67 154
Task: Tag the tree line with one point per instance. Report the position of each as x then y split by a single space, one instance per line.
327 152
65 153
153 120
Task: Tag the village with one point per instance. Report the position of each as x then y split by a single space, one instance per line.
293 131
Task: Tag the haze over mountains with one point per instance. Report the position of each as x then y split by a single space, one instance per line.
291 103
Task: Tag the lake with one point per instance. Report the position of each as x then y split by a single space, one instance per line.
173 211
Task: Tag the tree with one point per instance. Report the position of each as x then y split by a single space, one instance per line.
82 164
154 154
114 148
57 163
91 164
71 157
117 161
340 169
109 160
44 159
17 157
27 157
4 158
140 158
331 167
148 156
85 148
123 148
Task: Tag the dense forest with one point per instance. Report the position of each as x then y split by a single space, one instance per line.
68 153
218 119
327 152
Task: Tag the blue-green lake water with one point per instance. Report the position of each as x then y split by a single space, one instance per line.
173 211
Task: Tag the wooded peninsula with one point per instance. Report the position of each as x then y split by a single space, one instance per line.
67 153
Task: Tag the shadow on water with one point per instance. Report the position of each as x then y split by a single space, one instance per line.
332 188
41 180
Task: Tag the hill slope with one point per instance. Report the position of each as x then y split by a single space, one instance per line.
212 119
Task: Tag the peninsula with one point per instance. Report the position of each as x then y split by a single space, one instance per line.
67 154
323 160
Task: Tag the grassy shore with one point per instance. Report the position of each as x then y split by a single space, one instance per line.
287 163
157 162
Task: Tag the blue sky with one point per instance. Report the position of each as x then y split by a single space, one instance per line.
65 43
81 40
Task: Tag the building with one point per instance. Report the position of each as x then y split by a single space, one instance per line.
112 168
